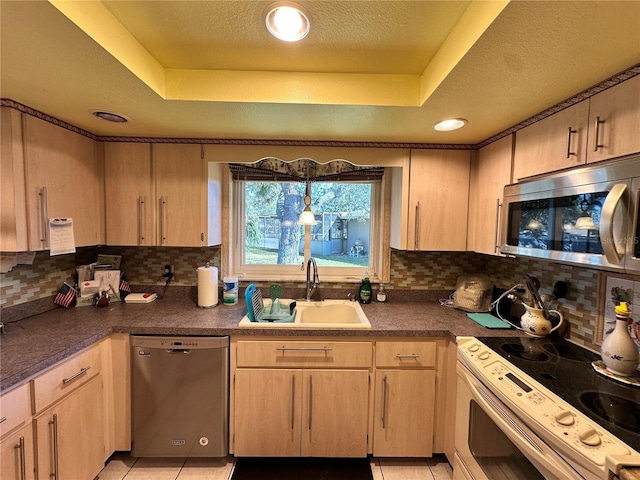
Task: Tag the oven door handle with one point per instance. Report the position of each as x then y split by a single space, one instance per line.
535 450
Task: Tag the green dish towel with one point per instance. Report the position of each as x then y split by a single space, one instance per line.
488 320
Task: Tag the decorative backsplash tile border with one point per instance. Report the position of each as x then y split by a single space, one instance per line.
426 272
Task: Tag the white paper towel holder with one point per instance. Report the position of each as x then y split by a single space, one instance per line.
207 266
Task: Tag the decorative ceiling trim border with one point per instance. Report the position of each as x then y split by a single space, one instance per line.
585 94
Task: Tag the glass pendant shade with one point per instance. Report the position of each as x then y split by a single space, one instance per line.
585 222
307 217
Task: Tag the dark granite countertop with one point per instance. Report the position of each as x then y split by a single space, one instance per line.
31 345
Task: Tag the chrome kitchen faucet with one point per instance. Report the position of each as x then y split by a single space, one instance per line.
312 280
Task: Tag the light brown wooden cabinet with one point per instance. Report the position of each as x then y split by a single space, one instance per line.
306 411
16 435
13 206
130 205
70 435
490 172
614 119
429 201
64 179
601 127
404 406
553 143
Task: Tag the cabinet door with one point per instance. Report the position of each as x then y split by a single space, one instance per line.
70 436
438 200
614 121
130 205
68 166
16 455
180 194
267 412
404 406
554 143
335 408
490 172
13 208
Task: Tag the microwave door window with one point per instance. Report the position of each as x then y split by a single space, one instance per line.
580 217
530 224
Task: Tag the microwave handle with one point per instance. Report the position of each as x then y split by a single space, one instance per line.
606 223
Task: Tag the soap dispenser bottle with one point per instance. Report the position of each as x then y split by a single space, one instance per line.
365 291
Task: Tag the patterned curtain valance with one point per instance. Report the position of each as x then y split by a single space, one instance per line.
274 169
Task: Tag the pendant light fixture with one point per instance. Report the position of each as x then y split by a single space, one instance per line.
307 217
584 221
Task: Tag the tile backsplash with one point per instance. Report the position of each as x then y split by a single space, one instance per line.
414 271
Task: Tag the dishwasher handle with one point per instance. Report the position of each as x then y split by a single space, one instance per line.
178 351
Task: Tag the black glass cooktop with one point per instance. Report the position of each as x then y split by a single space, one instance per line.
565 369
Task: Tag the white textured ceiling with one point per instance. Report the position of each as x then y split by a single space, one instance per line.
371 71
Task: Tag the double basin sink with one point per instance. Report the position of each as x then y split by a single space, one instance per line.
323 314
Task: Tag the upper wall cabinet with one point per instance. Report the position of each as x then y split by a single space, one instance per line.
602 127
429 201
64 179
13 206
130 205
490 172
614 119
158 195
554 143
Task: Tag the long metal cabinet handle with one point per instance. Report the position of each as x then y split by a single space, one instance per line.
606 222
293 401
163 236
310 400
305 349
570 132
140 219
596 136
44 215
23 465
3 419
416 234
496 244
76 375
54 423
384 402
401 356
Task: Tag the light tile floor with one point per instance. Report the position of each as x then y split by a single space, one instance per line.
122 466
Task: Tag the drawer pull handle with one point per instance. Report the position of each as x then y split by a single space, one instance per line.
75 375
304 349
3 419
402 356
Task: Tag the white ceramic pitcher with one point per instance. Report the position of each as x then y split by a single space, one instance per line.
535 324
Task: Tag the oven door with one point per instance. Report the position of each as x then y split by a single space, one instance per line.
493 444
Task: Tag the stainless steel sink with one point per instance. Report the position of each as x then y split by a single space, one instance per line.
325 314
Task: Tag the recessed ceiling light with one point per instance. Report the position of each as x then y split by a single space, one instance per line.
450 124
110 116
287 21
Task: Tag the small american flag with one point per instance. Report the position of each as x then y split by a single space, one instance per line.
125 288
66 296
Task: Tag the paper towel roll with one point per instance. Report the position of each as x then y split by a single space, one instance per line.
207 286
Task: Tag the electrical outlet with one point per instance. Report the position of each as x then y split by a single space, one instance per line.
169 272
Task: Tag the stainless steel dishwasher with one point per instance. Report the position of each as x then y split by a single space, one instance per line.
180 396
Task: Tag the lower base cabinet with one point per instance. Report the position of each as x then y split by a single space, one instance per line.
16 455
404 412
295 412
70 435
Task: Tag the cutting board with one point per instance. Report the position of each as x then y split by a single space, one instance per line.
487 320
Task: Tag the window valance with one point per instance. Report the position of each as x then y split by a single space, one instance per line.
301 170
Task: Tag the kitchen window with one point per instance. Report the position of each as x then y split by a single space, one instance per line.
269 244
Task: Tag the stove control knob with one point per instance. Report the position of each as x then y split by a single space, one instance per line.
590 437
484 355
564 418
475 347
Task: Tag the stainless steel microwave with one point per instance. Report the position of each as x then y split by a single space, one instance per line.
587 216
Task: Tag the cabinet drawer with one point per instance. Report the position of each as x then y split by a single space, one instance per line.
60 380
405 354
15 408
304 354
